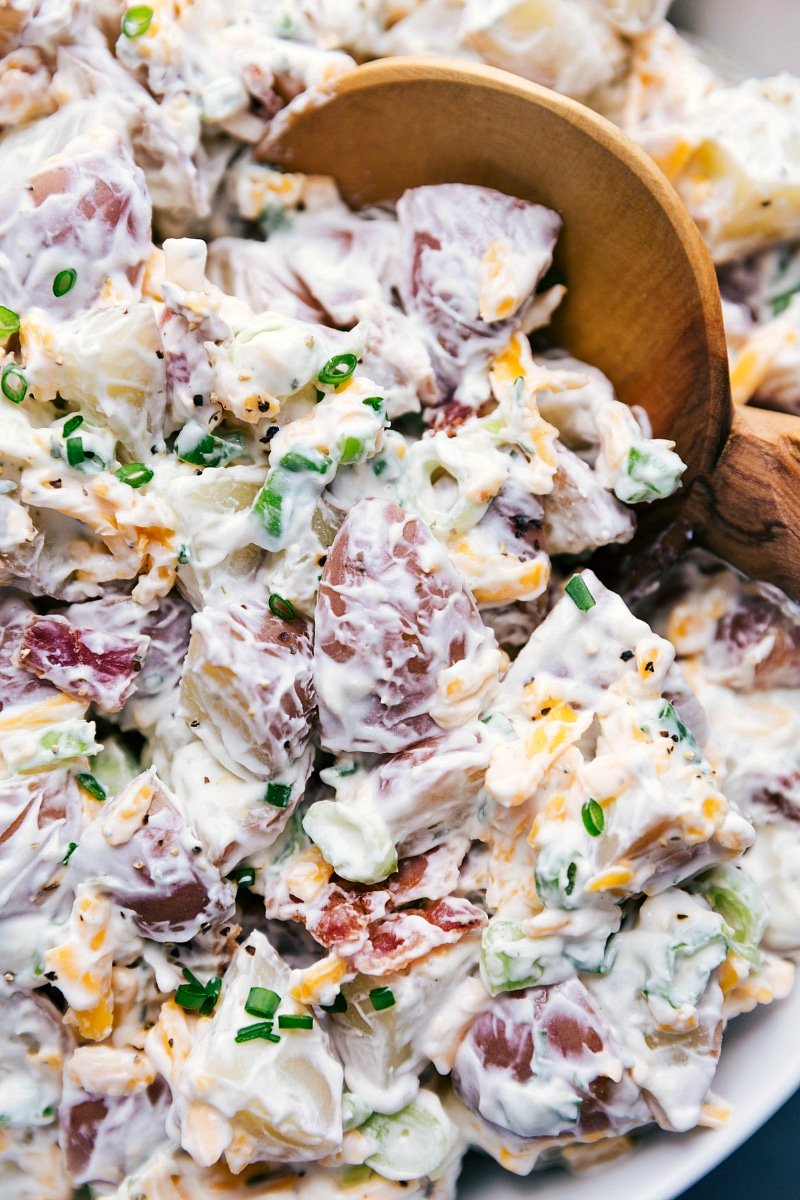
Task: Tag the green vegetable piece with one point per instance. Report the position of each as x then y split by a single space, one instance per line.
262 1002
734 895
352 450
202 449
338 369
262 1030
135 474
280 607
379 466
196 996
267 506
594 819
572 871
91 785
244 876
339 1005
579 594
75 454
374 402
295 1022
188 998
71 425
312 461
414 1142
509 960
780 303
382 998
64 281
14 384
136 21
278 794
184 554
71 848
9 321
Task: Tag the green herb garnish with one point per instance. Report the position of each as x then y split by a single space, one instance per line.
14 384
295 1022
91 785
579 593
135 474
280 607
278 794
71 848
136 21
71 425
339 1005
262 1002
262 1030
9 321
196 996
75 452
594 819
381 998
338 369
64 281
244 876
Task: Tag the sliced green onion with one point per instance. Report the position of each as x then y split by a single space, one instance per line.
9 321
579 593
188 998
298 1022
375 402
91 785
64 281
295 461
779 304
75 454
202 449
379 466
135 474
352 449
381 998
278 794
244 876
71 425
280 607
262 1030
338 369
267 507
71 848
14 384
262 1002
136 21
572 871
594 819
183 555
339 1005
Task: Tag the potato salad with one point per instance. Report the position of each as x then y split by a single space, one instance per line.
348 820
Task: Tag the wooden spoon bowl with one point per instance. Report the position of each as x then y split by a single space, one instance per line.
642 305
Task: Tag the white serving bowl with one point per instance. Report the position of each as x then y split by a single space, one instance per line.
759 1068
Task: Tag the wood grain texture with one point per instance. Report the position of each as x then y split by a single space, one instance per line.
643 303
748 510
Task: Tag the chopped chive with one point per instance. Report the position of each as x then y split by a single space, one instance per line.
594 819
183 555
136 21
278 794
339 1005
71 425
579 593
213 989
192 979
352 449
379 466
75 454
381 998
267 507
91 785
244 876
71 848
338 369
298 1022
188 998
343 772
280 607
572 871
14 384
314 461
262 1002
135 474
318 394
64 281
9 321
375 402
262 1030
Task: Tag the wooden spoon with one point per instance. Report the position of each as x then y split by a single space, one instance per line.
642 305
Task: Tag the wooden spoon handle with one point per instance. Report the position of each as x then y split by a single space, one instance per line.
748 510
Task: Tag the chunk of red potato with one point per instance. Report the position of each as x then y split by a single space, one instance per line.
17 686
40 815
87 663
429 791
579 514
83 208
248 683
34 1043
166 624
112 1112
472 257
766 796
756 642
144 857
544 1063
392 615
